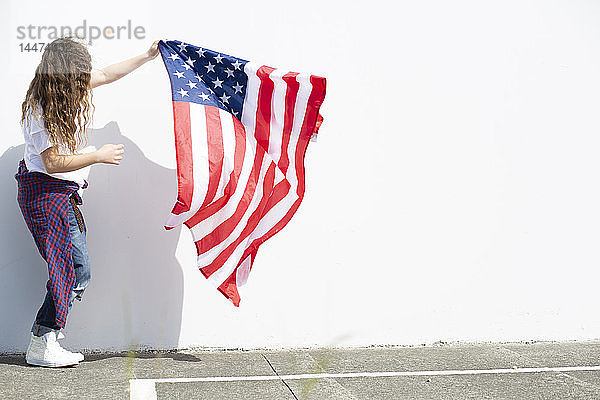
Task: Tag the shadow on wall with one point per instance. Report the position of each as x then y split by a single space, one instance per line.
135 296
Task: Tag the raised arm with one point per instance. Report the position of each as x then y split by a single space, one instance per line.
116 71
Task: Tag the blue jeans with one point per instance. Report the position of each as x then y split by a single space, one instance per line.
45 320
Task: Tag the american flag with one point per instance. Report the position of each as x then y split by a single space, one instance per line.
241 132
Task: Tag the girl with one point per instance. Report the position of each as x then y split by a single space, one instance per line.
50 177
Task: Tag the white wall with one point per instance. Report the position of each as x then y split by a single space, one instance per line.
452 193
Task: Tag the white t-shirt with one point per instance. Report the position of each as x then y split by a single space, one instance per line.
37 140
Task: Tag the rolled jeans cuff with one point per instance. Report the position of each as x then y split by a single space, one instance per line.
41 330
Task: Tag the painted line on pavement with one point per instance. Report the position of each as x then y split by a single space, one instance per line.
145 389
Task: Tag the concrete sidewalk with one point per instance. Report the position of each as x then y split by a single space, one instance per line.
444 371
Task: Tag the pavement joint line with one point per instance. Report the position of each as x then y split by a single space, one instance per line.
145 389
277 373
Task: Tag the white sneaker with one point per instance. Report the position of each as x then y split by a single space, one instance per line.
79 356
45 351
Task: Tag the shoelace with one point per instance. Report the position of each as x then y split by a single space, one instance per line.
63 350
60 348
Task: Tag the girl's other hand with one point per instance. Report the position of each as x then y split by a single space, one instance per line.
153 50
110 153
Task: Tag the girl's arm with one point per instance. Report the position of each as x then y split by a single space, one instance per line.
113 72
54 162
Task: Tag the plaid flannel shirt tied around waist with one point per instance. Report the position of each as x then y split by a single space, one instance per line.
44 202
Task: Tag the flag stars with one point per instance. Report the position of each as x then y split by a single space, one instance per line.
238 88
225 98
237 65
218 83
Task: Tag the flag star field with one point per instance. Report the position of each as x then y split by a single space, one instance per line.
206 77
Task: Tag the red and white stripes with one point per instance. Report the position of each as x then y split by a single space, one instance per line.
239 183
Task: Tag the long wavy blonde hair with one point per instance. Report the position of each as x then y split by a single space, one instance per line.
61 86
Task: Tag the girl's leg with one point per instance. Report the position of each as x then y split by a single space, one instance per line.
45 320
79 252
46 317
